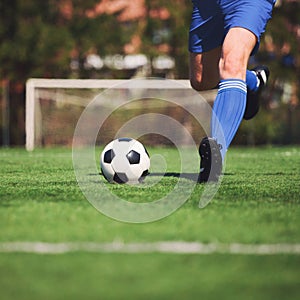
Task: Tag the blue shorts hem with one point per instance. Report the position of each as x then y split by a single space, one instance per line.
212 19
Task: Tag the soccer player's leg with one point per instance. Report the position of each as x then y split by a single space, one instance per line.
204 69
206 35
252 15
245 21
230 103
204 75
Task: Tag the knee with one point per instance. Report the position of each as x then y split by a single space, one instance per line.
236 50
198 84
232 67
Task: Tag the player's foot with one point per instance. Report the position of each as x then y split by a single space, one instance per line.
211 160
252 105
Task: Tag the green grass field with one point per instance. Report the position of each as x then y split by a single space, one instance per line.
258 203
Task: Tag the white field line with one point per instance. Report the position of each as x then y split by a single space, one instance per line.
176 247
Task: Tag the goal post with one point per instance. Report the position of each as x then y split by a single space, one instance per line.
32 99
69 93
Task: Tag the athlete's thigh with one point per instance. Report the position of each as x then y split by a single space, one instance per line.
207 26
204 69
205 39
249 14
236 50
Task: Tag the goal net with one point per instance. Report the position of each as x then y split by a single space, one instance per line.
54 107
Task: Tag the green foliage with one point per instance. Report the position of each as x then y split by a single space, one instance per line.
35 44
277 126
177 26
37 40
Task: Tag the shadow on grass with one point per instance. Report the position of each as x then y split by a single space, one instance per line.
189 176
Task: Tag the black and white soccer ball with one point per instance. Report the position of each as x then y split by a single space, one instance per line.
125 160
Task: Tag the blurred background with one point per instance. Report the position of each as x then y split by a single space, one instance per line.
119 39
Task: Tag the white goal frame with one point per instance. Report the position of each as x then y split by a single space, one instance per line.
32 100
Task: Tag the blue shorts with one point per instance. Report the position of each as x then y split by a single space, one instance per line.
211 20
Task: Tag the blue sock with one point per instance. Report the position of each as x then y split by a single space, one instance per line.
252 81
228 111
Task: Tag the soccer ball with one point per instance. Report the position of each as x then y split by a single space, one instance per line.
125 160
